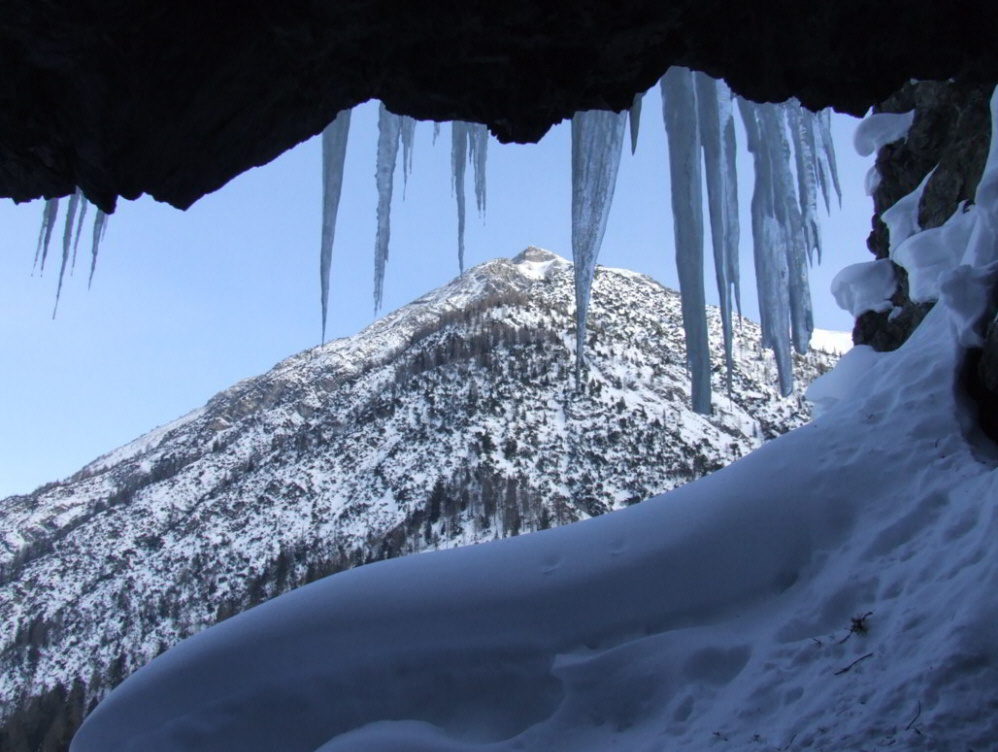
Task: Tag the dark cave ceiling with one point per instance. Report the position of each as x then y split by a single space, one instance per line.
125 97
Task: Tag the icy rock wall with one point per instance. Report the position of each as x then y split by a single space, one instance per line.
949 137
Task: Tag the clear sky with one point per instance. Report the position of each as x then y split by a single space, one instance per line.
184 304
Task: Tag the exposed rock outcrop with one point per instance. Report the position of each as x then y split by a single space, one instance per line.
951 133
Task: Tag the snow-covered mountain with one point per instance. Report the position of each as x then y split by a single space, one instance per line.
454 420
837 589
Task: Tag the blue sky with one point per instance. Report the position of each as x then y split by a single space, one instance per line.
184 304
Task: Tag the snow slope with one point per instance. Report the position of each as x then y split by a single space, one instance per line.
837 589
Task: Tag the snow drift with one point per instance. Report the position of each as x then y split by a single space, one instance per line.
837 588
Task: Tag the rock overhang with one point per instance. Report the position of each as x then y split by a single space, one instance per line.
174 101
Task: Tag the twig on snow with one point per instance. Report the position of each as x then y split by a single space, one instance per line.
850 666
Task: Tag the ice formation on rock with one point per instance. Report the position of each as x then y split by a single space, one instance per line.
698 112
334 149
597 138
389 132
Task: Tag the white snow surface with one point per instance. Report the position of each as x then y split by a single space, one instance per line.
830 341
837 589
867 286
879 129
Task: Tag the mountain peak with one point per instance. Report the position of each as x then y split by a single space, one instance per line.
537 263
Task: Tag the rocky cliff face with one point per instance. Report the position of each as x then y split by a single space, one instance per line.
452 421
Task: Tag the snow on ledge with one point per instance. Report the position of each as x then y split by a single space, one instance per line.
879 129
867 286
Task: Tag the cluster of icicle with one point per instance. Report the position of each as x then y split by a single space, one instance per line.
699 118
49 215
468 141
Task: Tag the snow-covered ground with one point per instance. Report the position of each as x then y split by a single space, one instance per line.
837 589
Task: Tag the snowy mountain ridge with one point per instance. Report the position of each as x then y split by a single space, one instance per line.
451 421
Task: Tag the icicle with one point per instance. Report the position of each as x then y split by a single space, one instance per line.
715 165
100 227
634 117
820 166
807 183
792 229
408 136
827 170
597 139
334 149
732 224
79 228
771 271
67 241
458 157
389 131
49 214
679 110
825 126
478 145
436 132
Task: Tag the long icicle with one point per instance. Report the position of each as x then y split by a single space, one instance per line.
792 225
389 131
67 241
715 167
767 246
49 214
725 107
334 149
100 227
679 110
478 149
408 137
79 229
807 182
458 160
597 139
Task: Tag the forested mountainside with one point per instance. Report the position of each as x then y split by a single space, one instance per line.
452 421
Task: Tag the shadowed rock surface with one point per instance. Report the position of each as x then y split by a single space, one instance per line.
126 98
